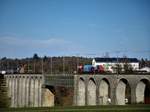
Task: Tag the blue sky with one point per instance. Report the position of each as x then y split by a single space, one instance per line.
74 27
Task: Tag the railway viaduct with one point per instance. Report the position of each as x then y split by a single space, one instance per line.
120 89
36 90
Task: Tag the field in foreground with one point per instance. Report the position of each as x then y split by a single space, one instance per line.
112 108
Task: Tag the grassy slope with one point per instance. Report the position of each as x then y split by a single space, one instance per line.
130 108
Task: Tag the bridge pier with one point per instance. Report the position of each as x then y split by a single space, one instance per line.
25 90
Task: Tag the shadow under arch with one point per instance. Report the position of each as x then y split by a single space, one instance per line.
104 92
91 92
143 91
92 79
81 79
51 88
81 92
123 92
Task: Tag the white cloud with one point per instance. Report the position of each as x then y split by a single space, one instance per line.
20 41
54 46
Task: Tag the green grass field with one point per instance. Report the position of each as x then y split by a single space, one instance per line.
112 108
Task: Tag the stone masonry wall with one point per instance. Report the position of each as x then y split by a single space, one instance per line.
25 90
115 90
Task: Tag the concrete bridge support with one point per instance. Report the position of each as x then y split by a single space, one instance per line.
25 90
91 92
143 91
48 98
81 93
123 92
140 92
104 92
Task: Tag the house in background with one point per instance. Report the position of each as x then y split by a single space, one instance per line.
109 63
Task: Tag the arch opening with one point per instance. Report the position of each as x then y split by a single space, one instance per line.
143 92
104 92
91 92
123 92
81 93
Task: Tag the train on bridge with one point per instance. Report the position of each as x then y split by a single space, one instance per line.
100 69
113 65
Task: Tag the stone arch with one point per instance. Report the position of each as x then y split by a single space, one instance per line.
143 91
81 92
123 92
91 92
104 92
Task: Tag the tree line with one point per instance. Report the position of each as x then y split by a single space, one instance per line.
54 65
46 65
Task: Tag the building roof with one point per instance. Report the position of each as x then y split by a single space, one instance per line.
131 60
